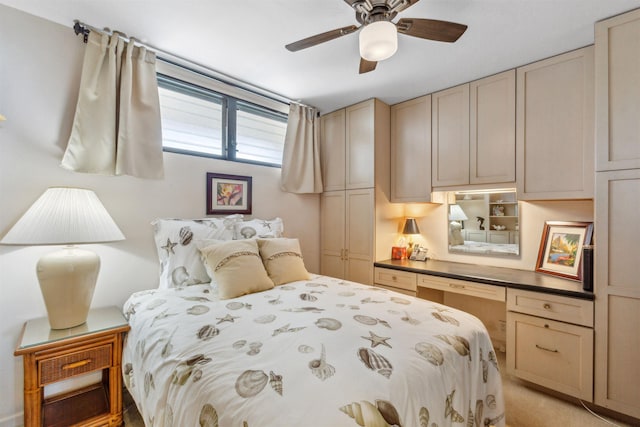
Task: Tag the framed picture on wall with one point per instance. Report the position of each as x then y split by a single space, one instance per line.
228 194
560 252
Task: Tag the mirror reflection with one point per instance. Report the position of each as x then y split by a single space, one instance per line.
485 223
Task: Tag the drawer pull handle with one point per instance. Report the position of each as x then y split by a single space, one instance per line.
539 347
394 278
77 364
456 286
547 306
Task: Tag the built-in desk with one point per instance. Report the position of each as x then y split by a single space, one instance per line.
543 322
498 276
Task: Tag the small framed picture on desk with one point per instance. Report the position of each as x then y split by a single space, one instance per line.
418 254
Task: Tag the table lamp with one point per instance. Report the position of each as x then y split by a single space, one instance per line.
66 216
410 228
456 214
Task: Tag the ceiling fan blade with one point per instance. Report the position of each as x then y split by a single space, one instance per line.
366 66
320 38
431 29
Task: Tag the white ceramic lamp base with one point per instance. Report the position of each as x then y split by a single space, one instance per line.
67 280
455 234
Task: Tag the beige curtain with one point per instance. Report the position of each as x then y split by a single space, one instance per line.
301 171
116 129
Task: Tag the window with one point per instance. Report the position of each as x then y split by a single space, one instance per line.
203 122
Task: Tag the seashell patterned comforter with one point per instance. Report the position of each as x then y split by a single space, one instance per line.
323 352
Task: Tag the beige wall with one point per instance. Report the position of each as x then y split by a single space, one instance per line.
39 72
432 220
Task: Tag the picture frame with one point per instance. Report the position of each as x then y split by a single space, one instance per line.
561 245
228 194
418 254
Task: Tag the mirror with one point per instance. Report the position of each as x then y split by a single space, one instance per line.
484 223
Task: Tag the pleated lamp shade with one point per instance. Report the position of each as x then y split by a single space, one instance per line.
66 216
456 213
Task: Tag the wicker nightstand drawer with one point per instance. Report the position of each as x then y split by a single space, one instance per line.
80 362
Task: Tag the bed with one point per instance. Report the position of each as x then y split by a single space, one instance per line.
485 247
318 351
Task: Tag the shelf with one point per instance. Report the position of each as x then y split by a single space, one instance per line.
503 216
503 203
77 406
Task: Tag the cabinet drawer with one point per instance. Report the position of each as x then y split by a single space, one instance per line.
392 288
552 354
557 307
395 278
71 364
479 290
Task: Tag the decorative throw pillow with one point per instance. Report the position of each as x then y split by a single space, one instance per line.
237 268
201 244
258 228
180 263
283 260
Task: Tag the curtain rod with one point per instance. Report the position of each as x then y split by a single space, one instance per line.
84 29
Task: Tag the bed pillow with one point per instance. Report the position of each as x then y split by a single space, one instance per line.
258 228
237 268
180 262
283 260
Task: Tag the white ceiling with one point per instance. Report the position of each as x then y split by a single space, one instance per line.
245 39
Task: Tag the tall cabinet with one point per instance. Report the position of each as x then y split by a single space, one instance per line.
617 203
555 127
411 150
355 231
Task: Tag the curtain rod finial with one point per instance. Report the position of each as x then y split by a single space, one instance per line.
78 28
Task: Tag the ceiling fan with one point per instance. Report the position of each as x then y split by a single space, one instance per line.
378 35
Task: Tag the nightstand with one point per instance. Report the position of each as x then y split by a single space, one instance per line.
52 355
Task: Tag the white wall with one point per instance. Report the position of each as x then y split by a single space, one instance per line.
39 73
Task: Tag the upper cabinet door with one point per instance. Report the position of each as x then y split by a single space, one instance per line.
450 136
332 146
492 124
411 151
360 145
555 127
618 92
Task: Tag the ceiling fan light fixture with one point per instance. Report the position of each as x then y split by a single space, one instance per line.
378 41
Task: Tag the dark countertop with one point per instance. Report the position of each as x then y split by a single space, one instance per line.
499 276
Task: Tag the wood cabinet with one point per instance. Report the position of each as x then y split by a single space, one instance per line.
332 150
332 237
492 126
555 127
478 290
396 280
351 143
411 151
51 356
474 132
617 61
617 287
450 136
347 238
550 341
355 207
617 355
347 221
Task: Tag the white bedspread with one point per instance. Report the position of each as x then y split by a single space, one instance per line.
323 352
